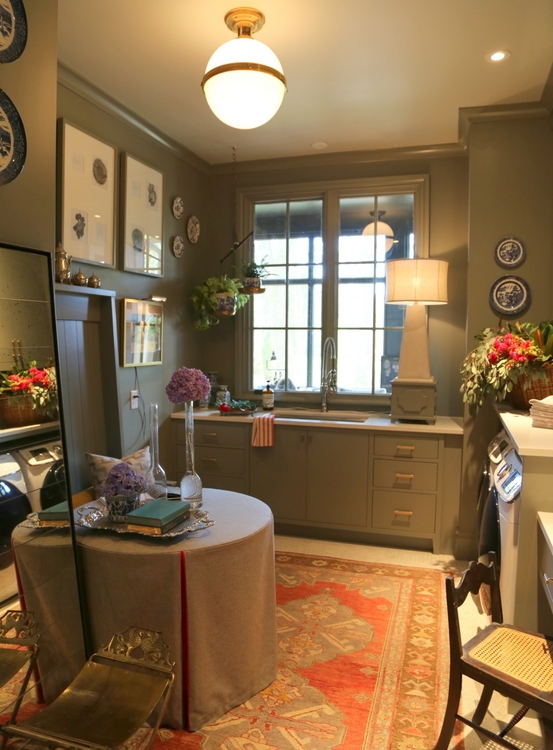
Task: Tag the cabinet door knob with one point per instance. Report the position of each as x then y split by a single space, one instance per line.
403 513
547 579
405 476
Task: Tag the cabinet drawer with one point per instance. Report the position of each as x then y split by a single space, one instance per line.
405 475
406 446
404 511
210 433
215 461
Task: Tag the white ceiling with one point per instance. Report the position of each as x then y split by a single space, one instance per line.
362 74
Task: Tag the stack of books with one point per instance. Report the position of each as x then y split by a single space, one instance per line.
158 516
56 515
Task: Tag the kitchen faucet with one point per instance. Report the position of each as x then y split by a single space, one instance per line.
328 371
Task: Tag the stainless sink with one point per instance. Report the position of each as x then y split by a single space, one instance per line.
334 416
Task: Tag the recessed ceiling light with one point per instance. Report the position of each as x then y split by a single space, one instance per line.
319 145
497 56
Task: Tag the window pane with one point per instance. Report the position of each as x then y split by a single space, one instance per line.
269 308
270 232
304 305
265 344
304 357
355 358
355 305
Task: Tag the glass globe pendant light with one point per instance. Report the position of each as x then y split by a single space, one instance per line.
380 229
244 83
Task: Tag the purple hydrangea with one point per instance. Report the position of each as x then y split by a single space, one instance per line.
123 480
187 384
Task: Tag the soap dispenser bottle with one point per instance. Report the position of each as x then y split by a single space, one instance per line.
268 397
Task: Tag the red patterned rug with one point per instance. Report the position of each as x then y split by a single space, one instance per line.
363 664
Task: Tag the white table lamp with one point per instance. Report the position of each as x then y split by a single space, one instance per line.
415 283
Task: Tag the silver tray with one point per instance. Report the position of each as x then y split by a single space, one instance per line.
96 517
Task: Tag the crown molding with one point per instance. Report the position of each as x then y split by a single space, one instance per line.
406 153
72 81
496 112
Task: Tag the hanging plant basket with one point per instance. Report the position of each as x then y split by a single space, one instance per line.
226 304
252 285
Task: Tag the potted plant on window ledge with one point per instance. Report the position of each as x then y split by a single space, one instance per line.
217 297
252 273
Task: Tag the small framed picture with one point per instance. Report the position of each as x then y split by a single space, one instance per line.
142 323
86 217
389 367
143 224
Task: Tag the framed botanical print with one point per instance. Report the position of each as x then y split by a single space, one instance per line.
143 223
86 218
142 323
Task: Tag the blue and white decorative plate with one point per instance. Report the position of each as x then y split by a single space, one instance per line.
510 252
13 30
13 141
510 295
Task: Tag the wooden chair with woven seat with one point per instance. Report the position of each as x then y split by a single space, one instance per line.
18 649
514 662
120 688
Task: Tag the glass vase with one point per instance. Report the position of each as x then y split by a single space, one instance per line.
155 472
191 484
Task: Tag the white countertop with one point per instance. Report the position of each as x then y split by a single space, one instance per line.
442 426
528 440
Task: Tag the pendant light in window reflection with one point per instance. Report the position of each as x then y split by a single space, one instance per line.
244 83
380 229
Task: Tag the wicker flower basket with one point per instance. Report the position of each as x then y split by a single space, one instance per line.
17 411
520 396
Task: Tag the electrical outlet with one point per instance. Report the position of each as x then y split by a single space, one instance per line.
134 399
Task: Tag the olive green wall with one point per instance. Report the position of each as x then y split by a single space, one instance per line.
510 193
182 344
27 204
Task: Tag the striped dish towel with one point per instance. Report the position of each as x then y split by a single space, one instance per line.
263 430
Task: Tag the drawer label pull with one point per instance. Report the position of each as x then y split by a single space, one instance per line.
210 434
403 513
405 476
405 447
212 460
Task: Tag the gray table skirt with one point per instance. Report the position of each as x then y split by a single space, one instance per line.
211 594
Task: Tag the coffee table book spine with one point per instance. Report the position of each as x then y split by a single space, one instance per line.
157 530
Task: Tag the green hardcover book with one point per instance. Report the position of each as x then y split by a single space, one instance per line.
59 512
159 513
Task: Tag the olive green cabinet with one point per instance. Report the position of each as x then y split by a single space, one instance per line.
318 476
221 454
379 485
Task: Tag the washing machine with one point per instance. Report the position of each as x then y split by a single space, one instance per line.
14 508
43 471
507 475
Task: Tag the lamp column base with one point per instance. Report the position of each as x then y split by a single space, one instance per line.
414 400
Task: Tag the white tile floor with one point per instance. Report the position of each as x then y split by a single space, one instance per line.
528 734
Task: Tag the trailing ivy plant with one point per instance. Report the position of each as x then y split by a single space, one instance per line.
205 302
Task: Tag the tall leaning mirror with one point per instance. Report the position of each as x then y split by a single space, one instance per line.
37 560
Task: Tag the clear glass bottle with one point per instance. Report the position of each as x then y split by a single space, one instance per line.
191 484
268 397
159 489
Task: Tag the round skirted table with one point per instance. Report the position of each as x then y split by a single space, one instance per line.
211 593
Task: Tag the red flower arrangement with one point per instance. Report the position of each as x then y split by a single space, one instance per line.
40 384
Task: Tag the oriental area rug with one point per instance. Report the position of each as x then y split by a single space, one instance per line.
363 664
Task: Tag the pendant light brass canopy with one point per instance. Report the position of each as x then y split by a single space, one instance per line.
244 83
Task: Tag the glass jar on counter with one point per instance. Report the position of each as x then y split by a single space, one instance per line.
222 395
